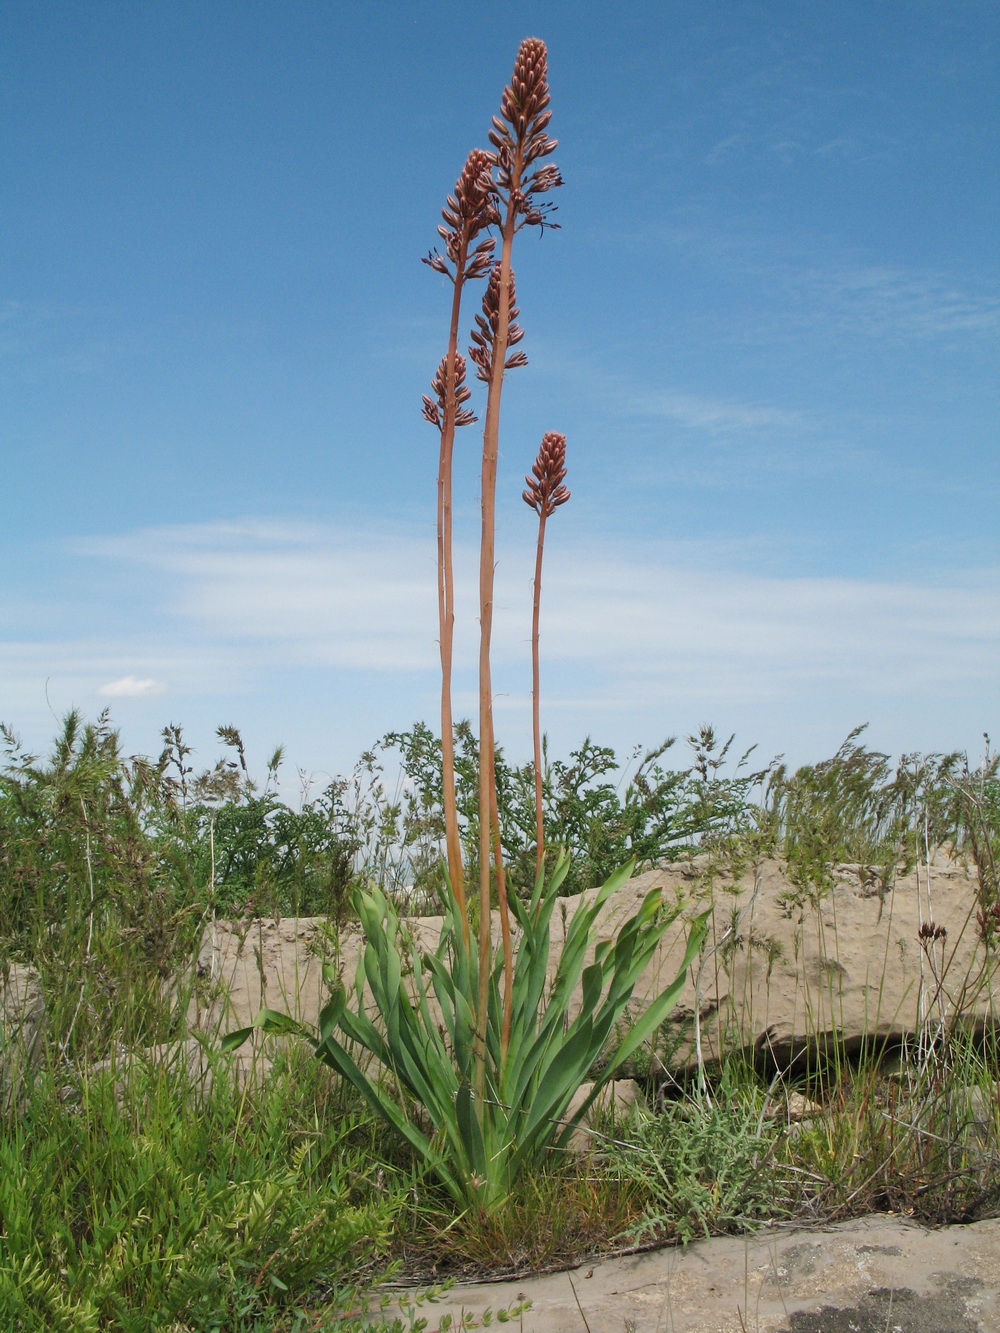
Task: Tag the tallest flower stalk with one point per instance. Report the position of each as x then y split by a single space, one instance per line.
520 140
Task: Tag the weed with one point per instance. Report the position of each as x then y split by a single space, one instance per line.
702 1167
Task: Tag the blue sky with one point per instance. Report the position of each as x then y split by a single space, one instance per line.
768 327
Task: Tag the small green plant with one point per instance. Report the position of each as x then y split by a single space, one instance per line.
923 1140
146 1196
704 1167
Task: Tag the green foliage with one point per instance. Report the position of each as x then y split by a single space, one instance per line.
479 1143
924 1140
147 1200
89 892
597 811
704 1166
856 808
256 854
272 860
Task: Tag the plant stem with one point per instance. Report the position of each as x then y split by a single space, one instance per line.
446 601
508 956
487 562
536 723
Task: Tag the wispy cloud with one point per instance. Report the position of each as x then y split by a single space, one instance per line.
712 414
37 339
817 284
886 301
249 611
358 598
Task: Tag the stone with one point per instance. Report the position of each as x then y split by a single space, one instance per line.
614 1101
793 1108
781 973
22 1032
875 1274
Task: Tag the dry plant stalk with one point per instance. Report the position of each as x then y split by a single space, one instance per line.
519 140
545 493
466 213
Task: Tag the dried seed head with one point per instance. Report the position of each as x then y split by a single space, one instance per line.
484 335
546 491
434 411
988 922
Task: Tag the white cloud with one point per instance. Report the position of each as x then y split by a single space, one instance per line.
131 687
646 616
358 597
825 287
881 300
633 633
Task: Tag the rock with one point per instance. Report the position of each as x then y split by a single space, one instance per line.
245 966
872 1275
793 1108
613 1101
22 1032
781 971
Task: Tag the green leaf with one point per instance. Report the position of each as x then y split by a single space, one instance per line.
233 1040
470 1130
278 1024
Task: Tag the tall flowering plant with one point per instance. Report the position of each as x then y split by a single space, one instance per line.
485 1047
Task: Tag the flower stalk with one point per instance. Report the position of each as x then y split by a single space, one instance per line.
544 493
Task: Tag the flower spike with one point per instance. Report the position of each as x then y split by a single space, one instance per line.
546 491
434 411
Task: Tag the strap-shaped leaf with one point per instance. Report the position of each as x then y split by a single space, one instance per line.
658 1010
561 1078
281 1025
234 1040
335 1055
332 1012
470 1130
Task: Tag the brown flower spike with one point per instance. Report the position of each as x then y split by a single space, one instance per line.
434 412
546 491
484 335
466 213
519 140
519 136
